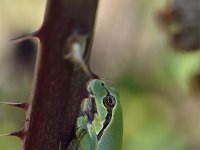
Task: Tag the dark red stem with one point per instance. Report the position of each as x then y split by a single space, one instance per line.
58 87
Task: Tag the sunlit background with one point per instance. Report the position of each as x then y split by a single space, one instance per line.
160 105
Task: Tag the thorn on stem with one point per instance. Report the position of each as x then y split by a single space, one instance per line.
20 134
24 37
23 106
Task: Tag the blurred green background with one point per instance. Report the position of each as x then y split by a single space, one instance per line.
160 106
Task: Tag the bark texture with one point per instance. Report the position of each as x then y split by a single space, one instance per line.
58 86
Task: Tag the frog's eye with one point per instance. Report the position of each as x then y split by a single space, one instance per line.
109 101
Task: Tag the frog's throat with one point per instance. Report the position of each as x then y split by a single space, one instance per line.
91 110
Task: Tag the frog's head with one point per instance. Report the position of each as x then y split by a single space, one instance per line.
105 100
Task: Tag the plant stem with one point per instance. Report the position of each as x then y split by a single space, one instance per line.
58 86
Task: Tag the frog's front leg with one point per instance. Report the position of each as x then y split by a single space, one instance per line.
89 140
93 136
84 124
86 138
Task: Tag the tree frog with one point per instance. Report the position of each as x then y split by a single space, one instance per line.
99 125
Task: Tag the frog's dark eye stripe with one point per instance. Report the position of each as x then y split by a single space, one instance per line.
109 102
105 124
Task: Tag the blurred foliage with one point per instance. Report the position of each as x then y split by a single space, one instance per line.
151 103
160 110
180 20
